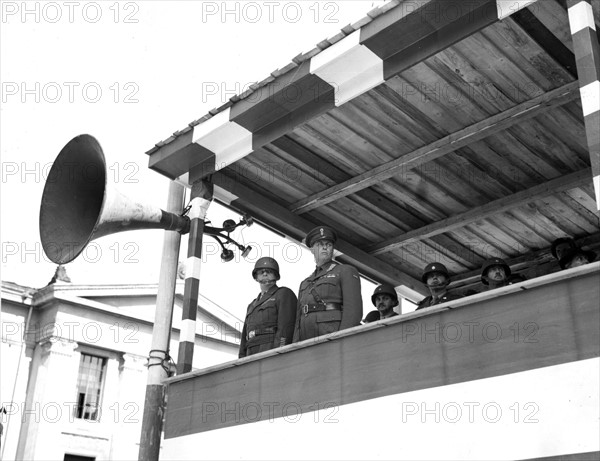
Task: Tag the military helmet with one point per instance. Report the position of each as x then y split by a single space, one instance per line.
493 262
562 245
266 263
320 233
387 290
434 267
571 253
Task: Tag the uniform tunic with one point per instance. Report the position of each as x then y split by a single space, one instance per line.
270 321
428 301
333 283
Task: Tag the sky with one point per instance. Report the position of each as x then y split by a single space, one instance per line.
131 74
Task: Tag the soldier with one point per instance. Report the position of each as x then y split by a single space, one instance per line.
495 273
271 317
384 298
575 258
561 246
437 278
329 299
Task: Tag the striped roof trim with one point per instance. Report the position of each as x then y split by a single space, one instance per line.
296 61
319 81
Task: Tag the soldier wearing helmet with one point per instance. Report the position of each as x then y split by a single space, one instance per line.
495 273
561 246
576 258
329 299
437 278
384 298
568 254
271 317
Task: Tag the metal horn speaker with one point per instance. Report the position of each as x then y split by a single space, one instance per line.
79 206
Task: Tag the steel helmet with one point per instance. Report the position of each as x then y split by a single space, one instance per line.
387 290
434 267
266 263
561 246
570 254
493 262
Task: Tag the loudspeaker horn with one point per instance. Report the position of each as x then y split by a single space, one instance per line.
79 206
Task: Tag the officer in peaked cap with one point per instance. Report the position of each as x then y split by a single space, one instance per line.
495 273
320 233
271 317
329 299
437 278
385 298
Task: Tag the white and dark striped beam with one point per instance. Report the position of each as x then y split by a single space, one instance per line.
389 44
587 54
201 196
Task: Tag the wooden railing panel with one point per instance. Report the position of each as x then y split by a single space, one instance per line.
547 324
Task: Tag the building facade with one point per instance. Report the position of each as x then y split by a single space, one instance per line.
73 366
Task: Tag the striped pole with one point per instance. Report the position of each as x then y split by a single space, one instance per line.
201 196
587 54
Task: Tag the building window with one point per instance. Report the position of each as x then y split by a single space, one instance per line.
90 382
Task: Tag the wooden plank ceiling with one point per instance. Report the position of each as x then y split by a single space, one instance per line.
477 151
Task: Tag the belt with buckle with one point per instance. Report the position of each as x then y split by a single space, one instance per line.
262 331
308 308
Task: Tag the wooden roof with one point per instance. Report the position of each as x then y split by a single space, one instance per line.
472 146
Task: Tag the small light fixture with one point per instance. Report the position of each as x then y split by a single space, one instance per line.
226 255
221 235
247 251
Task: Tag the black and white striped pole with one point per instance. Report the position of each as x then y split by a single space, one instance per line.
587 56
200 198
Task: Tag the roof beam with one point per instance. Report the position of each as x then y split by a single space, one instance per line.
441 147
495 207
275 216
376 51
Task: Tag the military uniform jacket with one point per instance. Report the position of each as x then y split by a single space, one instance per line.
428 301
270 321
333 283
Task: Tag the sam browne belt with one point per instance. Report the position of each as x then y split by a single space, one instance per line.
309 308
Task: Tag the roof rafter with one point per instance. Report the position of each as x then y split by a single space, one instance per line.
441 147
489 209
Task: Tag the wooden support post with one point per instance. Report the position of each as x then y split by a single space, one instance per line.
154 402
587 54
201 196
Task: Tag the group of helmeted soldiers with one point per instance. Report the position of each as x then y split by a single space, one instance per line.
330 298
